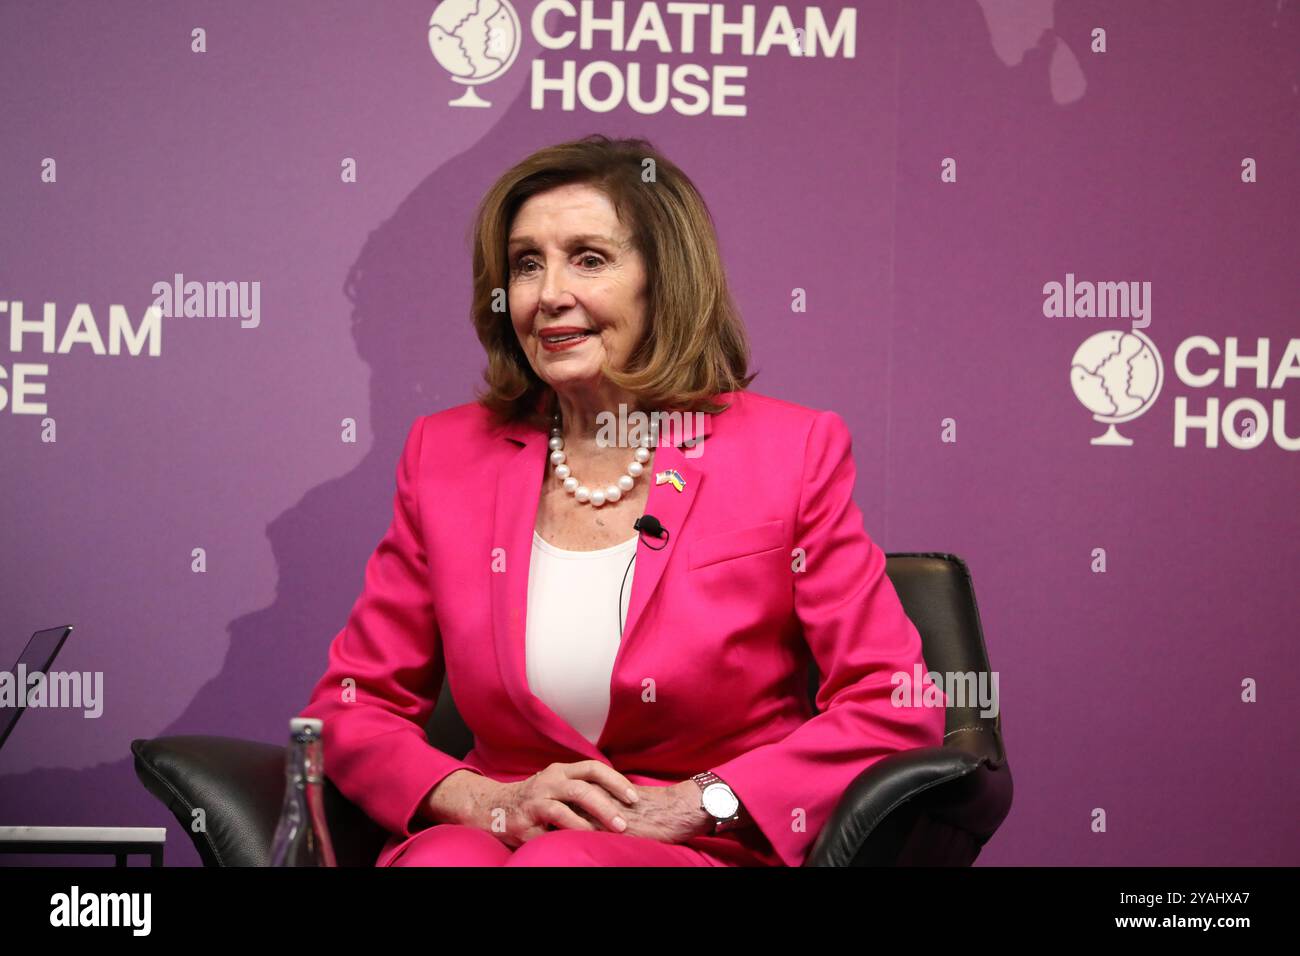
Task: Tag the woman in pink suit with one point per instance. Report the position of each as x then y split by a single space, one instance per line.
637 689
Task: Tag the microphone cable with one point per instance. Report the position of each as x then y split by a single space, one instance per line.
654 528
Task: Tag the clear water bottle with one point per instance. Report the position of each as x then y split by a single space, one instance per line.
301 838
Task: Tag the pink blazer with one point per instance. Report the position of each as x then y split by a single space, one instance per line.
710 674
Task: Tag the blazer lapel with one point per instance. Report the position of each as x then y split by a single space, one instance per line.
518 492
671 507
517 495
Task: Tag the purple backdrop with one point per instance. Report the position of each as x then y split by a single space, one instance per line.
924 328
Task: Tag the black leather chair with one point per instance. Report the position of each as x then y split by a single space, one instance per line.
924 807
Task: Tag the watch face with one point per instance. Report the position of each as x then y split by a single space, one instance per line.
720 801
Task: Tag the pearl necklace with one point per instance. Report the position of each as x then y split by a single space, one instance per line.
595 496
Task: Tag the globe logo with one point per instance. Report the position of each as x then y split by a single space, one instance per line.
1116 375
475 41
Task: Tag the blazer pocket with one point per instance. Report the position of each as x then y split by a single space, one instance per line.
727 545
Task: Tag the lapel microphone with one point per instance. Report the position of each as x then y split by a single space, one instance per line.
644 525
649 524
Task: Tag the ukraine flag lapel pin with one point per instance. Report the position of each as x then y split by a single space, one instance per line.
671 476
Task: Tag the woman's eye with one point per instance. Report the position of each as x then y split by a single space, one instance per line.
589 261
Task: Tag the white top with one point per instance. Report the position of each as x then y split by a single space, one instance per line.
572 632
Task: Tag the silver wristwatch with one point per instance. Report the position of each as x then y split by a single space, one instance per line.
717 800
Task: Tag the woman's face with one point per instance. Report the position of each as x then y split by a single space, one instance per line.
573 266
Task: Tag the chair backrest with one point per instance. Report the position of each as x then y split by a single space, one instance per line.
936 593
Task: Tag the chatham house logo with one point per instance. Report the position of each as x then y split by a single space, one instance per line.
475 41
1116 375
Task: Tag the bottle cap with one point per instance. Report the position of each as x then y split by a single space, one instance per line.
312 725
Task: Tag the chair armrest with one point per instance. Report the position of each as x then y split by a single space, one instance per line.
930 806
239 786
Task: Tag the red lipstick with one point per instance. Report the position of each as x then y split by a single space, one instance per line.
557 338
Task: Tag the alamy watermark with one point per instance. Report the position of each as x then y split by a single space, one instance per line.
963 689
53 689
630 429
210 300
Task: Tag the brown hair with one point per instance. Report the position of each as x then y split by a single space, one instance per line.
694 346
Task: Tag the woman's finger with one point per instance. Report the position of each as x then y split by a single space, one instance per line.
561 816
609 778
596 801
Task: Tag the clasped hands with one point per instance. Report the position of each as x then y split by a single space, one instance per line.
590 795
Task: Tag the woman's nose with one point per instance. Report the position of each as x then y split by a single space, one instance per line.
553 289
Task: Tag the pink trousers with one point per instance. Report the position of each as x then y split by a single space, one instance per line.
453 844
